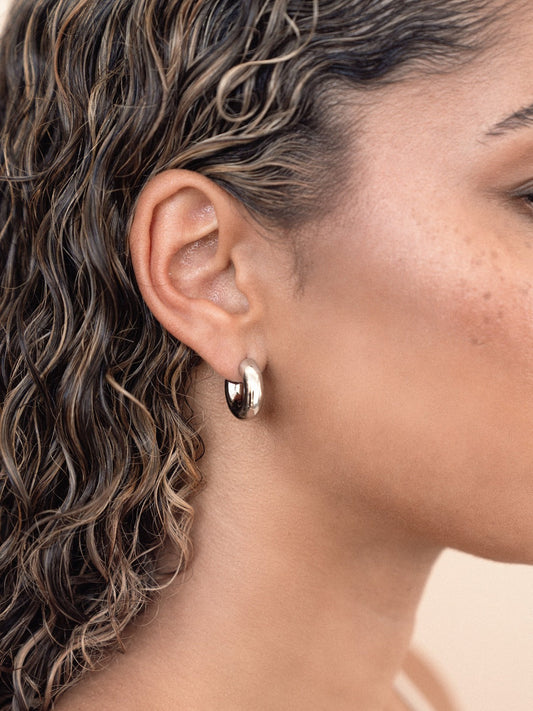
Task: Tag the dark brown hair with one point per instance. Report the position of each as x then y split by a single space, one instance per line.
97 451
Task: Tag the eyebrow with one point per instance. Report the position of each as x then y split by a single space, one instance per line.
522 118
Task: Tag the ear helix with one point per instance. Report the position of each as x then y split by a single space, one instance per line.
245 399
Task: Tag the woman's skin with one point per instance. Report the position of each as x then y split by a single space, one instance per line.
398 413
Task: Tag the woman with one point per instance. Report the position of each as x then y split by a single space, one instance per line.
326 201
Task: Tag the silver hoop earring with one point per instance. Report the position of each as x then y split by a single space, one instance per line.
245 399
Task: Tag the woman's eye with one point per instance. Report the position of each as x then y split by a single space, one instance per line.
528 199
524 194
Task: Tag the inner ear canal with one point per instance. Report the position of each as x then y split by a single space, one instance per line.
198 272
223 291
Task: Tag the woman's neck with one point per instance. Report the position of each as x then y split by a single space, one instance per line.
293 600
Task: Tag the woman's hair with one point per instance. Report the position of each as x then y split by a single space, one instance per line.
97 448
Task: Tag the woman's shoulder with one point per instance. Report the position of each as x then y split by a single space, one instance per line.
421 688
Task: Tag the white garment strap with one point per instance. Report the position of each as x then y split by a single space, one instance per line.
411 695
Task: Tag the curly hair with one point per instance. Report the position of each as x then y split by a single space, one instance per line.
98 449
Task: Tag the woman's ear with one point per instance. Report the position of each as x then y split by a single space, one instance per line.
190 248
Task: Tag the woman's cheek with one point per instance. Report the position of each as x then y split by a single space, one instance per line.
450 279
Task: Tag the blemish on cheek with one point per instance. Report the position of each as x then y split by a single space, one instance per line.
475 341
487 295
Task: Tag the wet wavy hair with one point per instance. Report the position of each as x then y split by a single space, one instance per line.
98 453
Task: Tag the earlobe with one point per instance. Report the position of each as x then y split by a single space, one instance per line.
185 248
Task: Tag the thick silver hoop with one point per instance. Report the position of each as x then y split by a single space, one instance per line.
245 399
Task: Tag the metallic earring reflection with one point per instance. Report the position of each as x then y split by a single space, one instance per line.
245 399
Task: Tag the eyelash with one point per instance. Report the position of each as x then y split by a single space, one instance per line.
527 201
525 197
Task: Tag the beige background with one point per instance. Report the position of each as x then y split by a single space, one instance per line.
476 624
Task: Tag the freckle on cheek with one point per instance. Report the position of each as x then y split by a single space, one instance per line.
475 341
487 295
